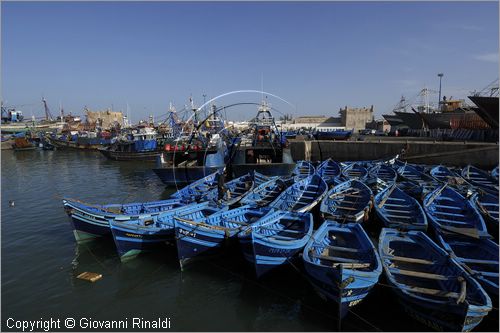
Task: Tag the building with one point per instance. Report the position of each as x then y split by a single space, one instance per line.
321 123
356 118
104 119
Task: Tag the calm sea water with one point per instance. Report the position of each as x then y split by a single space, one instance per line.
40 262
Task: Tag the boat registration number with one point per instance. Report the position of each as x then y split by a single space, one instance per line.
187 233
353 303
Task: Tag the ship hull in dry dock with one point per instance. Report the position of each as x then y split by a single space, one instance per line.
443 120
488 109
412 120
393 120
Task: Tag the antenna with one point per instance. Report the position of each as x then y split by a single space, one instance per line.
129 122
262 84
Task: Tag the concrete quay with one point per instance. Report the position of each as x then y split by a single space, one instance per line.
458 154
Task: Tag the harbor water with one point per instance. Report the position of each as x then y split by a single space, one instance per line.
41 260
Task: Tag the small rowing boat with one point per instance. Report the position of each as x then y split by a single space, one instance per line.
425 181
479 257
329 170
303 169
342 263
265 193
494 173
302 196
411 188
90 221
487 205
450 212
349 201
134 235
235 190
195 191
446 175
398 210
206 235
275 239
431 286
383 172
481 179
354 171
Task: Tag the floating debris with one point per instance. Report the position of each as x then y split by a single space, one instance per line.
89 276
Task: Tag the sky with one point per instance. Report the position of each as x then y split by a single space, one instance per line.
317 56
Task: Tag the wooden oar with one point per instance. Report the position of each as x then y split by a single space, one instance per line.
382 203
342 192
438 192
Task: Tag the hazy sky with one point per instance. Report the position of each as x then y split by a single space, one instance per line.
319 56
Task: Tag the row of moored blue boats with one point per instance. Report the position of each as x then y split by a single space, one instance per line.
438 247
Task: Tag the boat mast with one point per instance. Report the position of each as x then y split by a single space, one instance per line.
440 75
48 115
62 113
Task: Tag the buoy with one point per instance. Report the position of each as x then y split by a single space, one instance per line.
11 203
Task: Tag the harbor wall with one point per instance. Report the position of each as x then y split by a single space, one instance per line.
482 155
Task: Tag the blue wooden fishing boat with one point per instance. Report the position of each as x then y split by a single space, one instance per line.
133 235
494 173
235 190
329 170
383 172
397 163
90 221
267 192
479 257
380 176
481 179
410 173
487 205
302 196
450 212
203 236
446 175
342 264
398 210
275 239
196 190
443 173
349 201
354 171
432 287
333 135
303 169
411 188
260 178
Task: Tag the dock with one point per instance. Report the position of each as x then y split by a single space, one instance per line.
450 153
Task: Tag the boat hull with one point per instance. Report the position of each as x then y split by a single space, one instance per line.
62 144
193 241
149 156
275 239
184 175
131 241
488 109
430 285
271 169
340 275
87 228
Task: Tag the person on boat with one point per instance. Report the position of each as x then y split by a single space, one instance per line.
221 187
